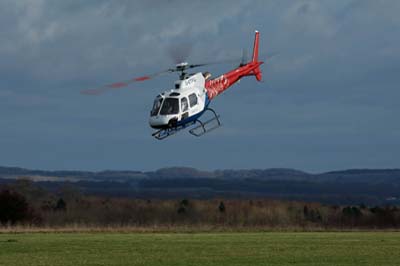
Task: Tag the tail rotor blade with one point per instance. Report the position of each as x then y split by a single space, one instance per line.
269 55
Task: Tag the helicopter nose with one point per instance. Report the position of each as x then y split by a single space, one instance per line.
157 121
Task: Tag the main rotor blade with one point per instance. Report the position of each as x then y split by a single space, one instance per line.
228 61
243 59
123 84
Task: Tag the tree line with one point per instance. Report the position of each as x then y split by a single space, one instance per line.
23 203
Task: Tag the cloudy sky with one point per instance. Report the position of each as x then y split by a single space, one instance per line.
329 100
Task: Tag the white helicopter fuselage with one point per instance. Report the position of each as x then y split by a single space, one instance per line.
181 105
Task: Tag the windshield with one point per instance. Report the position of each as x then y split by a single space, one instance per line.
156 106
170 106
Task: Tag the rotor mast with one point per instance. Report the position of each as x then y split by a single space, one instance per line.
181 67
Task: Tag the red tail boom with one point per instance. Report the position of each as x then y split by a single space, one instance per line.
216 86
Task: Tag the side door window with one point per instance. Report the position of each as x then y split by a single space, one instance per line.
192 99
184 104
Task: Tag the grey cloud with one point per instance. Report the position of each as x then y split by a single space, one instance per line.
329 97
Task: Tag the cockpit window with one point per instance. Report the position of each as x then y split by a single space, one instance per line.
170 106
156 106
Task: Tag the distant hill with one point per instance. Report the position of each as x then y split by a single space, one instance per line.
354 186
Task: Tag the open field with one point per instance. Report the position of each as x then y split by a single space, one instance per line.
270 248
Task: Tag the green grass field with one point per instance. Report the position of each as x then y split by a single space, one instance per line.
355 248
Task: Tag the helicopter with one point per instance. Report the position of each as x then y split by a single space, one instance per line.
184 105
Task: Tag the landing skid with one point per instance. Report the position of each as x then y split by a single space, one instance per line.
205 127
165 133
200 130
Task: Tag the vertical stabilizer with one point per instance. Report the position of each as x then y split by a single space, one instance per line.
255 47
257 71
